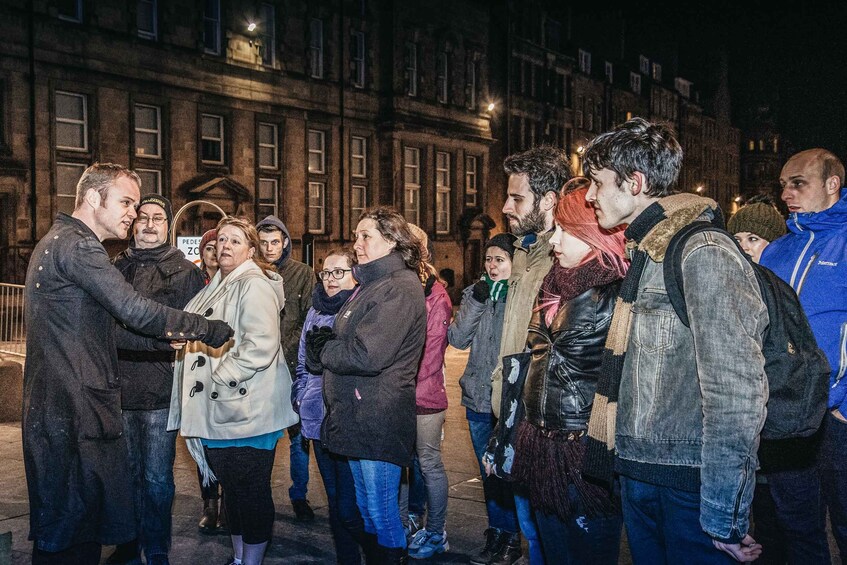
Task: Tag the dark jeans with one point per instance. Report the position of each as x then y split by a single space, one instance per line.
499 498
832 461
377 485
345 521
299 458
580 539
245 476
790 519
663 526
80 554
151 461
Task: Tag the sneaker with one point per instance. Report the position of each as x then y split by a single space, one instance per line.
414 525
232 561
426 544
302 511
493 546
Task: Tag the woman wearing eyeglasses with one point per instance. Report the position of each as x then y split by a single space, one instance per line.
334 289
369 360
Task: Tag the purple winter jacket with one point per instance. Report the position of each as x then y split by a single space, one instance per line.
309 396
430 392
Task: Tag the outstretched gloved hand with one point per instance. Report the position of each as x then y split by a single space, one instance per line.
218 333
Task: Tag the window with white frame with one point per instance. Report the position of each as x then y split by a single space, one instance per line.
148 131
657 71
357 56
317 207
151 181
470 83
316 48
146 19
358 156
358 202
212 26
317 152
268 146
585 61
411 69
644 64
267 200
71 121
412 184
471 179
443 188
441 81
212 139
635 82
67 176
267 35
610 69
70 10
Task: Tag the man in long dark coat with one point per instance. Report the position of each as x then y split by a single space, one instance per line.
74 453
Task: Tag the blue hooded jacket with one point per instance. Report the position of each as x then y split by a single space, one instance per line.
812 258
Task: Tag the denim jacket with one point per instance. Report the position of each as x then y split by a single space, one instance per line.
692 400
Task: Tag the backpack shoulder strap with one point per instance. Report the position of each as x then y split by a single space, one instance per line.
672 265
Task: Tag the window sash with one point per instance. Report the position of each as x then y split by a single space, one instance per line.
146 175
358 201
268 148
212 27
471 81
268 196
358 157
153 134
317 151
316 48
442 210
358 57
70 125
441 77
317 207
212 140
412 69
470 180
146 20
67 176
268 35
412 184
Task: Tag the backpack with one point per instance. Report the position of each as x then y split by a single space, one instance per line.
796 368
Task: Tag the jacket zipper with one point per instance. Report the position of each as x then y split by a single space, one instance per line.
842 366
806 272
802 255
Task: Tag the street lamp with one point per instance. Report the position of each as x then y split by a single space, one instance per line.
251 26
491 106
699 189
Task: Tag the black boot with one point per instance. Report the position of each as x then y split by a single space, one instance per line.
370 547
125 553
223 525
209 520
393 555
510 550
494 542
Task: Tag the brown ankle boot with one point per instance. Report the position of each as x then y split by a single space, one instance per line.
209 521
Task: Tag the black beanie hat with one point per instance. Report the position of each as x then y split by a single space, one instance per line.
504 241
160 201
758 218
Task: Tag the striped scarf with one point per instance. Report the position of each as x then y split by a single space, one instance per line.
647 237
497 289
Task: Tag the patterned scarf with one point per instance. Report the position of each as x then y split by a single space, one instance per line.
647 236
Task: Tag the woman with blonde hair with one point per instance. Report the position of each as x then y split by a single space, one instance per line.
232 403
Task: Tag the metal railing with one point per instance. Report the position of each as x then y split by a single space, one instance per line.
12 324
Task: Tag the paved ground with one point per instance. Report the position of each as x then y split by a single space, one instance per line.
293 542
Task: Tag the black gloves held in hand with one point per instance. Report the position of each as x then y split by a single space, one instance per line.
316 339
481 291
218 333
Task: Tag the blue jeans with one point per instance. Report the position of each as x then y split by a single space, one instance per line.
151 461
299 460
377 485
526 520
663 526
580 539
499 499
789 518
345 521
832 462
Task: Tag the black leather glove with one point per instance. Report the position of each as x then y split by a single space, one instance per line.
481 291
316 339
218 333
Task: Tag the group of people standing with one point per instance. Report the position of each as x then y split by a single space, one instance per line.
591 406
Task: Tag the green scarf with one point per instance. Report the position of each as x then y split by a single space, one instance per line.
497 289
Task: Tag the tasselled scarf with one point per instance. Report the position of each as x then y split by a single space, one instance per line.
647 236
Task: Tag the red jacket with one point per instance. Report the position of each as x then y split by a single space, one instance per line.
430 392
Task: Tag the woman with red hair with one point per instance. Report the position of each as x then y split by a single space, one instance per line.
578 522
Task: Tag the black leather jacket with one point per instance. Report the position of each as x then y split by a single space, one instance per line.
565 364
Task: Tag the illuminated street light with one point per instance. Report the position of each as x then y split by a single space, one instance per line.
737 199
580 150
699 189
251 26
491 106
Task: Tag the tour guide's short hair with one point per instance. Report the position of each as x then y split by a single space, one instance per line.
100 177
637 145
545 166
